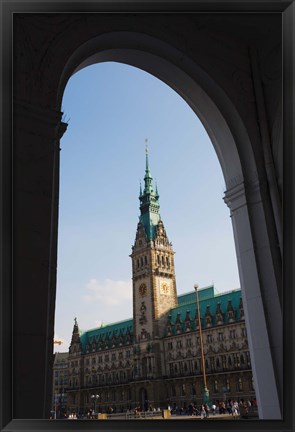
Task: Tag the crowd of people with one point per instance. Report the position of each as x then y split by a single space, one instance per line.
237 408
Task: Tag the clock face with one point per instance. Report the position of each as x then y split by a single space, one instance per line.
164 288
142 289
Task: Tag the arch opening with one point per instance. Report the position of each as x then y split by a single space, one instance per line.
234 150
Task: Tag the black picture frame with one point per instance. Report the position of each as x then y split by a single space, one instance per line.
8 8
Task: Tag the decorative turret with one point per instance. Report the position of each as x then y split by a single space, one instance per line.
219 315
208 317
230 312
241 308
76 341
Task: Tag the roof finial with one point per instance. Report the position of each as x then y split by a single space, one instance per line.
146 157
140 189
157 193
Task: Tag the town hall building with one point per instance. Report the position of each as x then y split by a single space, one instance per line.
154 359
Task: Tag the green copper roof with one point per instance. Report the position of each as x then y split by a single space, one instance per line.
107 332
203 293
187 307
180 312
149 204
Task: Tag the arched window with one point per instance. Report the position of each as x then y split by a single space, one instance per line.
128 394
240 385
167 262
145 260
163 262
216 386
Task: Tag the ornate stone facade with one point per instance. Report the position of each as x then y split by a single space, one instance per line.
154 359
60 385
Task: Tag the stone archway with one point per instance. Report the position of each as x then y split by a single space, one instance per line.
183 64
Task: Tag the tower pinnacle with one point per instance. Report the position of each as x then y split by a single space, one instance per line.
149 203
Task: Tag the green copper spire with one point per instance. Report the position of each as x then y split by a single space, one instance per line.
148 188
149 203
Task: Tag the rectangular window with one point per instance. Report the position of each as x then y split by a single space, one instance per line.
170 345
189 342
240 385
220 337
232 334
171 368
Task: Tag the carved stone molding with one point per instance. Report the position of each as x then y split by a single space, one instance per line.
235 197
37 121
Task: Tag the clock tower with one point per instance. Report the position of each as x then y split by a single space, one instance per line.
154 285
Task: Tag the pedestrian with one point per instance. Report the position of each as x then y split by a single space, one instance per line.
235 410
203 412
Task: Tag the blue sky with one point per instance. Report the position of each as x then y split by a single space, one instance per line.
111 109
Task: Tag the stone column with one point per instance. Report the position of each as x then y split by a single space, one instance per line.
35 209
262 308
